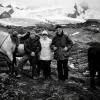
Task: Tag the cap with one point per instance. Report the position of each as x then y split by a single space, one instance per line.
44 32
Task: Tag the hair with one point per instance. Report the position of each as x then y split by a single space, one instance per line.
58 26
28 32
62 32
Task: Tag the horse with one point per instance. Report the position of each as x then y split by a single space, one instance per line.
94 63
8 44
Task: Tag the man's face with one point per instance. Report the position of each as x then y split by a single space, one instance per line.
32 35
59 30
44 36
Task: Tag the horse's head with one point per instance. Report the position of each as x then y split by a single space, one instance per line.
14 37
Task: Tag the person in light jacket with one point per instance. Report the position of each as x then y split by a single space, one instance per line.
46 54
61 45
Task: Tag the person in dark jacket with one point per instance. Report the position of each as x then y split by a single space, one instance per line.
61 45
32 47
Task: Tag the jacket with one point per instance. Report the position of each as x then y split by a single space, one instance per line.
32 45
46 53
61 41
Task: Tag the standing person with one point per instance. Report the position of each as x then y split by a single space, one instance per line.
45 54
61 44
32 47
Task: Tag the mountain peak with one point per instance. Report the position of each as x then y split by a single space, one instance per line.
1 5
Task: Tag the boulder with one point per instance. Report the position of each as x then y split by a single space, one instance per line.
1 5
9 6
5 12
11 11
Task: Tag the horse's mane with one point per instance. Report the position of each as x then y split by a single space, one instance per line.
14 38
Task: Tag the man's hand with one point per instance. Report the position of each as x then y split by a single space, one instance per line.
32 53
66 48
55 48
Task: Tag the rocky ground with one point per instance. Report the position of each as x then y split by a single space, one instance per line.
75 88
25 88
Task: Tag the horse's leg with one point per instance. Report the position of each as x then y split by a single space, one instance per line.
10 67
92 76
22 62
14 64
99 77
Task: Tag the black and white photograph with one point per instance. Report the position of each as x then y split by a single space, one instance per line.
49 49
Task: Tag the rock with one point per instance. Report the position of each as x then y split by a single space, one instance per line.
76 33
11 11
86 73
5 15
9 6
22 83
1 5
71 97
72 66
4 76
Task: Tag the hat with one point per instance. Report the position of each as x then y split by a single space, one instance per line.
44 32
58 26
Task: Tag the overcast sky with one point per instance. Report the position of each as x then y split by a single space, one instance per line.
95 4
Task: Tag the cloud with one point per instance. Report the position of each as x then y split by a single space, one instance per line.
95 4
39 3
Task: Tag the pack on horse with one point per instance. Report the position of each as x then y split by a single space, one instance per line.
8 44
20 47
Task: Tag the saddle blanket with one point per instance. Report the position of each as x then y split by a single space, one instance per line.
3 36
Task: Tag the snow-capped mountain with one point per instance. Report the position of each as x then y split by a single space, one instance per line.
55 15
